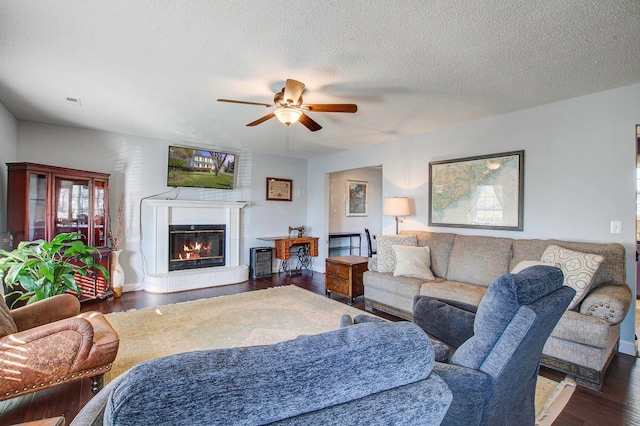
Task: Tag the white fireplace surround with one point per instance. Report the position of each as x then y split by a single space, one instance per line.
158 214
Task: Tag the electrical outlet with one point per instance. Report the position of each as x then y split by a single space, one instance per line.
616 227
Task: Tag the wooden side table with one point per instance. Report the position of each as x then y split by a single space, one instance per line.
344 276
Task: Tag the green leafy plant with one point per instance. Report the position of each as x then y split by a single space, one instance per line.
39 269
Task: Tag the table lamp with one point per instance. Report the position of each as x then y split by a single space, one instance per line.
396 206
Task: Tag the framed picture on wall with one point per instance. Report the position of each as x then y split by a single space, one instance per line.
478 192
357 192
279 189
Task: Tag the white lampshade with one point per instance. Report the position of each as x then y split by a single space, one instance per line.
287 115
397 206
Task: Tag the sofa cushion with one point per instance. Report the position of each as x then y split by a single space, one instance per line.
612 269
386 255
582 329
440 244
580 354
264 384
7 325
470 294
478 260
413 262
578 269
385 281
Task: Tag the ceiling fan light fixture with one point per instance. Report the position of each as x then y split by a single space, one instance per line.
287 115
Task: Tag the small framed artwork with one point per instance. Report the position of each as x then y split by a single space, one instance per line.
357 192
279 189
484 192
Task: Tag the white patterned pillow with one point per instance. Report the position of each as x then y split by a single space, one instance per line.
413 262
578 269
386 255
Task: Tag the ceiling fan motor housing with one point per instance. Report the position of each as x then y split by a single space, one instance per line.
280 102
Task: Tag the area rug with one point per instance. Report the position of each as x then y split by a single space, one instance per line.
551 398
259 317
255 318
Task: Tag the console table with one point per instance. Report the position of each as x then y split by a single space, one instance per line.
350 246
283 245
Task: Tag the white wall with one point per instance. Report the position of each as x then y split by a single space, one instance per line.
580 168
138 168
8 154
338 219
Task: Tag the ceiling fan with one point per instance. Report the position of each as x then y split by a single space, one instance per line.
289 107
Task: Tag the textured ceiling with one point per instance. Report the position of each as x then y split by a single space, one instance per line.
155 68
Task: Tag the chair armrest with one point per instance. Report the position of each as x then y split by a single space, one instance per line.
45 353
609 302
448 321
469 388
46 311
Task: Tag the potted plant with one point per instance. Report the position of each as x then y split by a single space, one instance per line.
39 269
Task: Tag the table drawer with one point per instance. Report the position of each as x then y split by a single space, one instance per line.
338 270
337 285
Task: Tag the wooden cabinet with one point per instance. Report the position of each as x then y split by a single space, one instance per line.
44 201
344 276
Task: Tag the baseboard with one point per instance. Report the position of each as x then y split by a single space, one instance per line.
627 347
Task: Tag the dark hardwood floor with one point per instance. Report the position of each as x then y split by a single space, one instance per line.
617 404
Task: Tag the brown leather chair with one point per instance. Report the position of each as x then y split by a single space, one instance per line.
49 342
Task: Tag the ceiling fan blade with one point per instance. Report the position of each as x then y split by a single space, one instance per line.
309 123
331 107
244 102
261 120
292 91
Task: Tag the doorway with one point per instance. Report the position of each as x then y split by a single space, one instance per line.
347 222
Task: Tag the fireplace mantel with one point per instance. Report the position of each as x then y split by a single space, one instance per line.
158 214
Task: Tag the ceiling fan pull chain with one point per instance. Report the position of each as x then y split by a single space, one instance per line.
286 139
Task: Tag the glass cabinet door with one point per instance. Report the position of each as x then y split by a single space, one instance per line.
99 213
71 212
37 206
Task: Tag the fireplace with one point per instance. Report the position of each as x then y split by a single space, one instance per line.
158 215
196 246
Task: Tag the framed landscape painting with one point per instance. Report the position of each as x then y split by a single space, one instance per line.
478 192
357 192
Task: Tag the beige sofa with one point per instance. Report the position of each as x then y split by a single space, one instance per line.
584 341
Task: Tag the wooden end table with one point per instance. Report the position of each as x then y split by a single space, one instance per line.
344 276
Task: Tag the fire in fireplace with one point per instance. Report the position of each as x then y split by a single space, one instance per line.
196 246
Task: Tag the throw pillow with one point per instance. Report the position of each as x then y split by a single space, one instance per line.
578 269
7 325
386 255
413 262
528 263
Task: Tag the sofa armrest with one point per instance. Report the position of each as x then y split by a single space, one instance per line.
46 311
609 302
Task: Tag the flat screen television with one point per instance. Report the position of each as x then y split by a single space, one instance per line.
201 168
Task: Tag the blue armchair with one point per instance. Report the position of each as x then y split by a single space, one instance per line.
497 350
